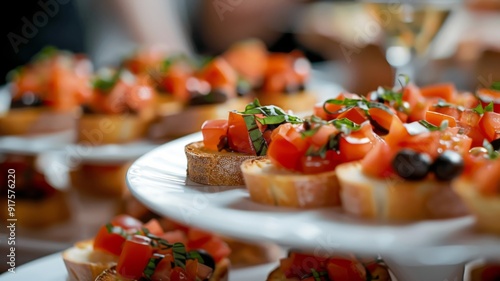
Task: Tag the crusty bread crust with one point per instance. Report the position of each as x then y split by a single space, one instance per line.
273 186
220 273
278 275
297 102
100 129
486 209
212 167
175 123
395 199
83 263
35 120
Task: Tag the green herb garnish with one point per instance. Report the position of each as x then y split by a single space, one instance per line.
46 53
345 125
432 127
495 86
481 110
256 136
106 82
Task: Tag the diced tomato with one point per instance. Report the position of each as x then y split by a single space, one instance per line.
126 222
418 111
322 135
317 164
381 116
217 248
445 91
355 114
298 265
163 268
331 108
192 269
174 236
467 100
237 134
154 227
452 140
490 125
220 74
109 242
377 162
423 143
213 131
178 274
198 237
451 111
134 257
287 147
340 269
249 58
487 96
436 119
352 148
397 131
411 95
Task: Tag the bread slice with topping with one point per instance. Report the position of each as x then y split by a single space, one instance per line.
270 185
212 167
83 263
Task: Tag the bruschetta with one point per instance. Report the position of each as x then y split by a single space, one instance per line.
128 249
300 169
228 142
47 93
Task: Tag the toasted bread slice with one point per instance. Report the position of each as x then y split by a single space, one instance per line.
212 167
83 263
278 275
35 120
100 129
303 101
220 273
245 254
486 209
270 185
395 199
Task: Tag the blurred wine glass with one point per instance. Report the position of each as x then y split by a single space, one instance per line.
409 28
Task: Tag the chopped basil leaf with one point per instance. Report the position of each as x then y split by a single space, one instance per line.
432 127
481 110
45 53
495 86
106 83
194 255
116 230
405 78
151 267
180 255
345 125
256 136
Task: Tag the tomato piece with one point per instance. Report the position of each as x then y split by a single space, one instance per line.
331 108
381 116
198 237
217 248
175 236
163 268
178 274
219 74
213 131
424 143
192 269
352 148
317 164
126 222
134 257
411 94
287 147
436 119
377 162
298 265
154 227
355 114
445 91
452 140
397 131
451 111
109 242
322 135
490 125
340 269
249 58
237 134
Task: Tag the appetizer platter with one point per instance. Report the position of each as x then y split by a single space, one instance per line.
399 170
